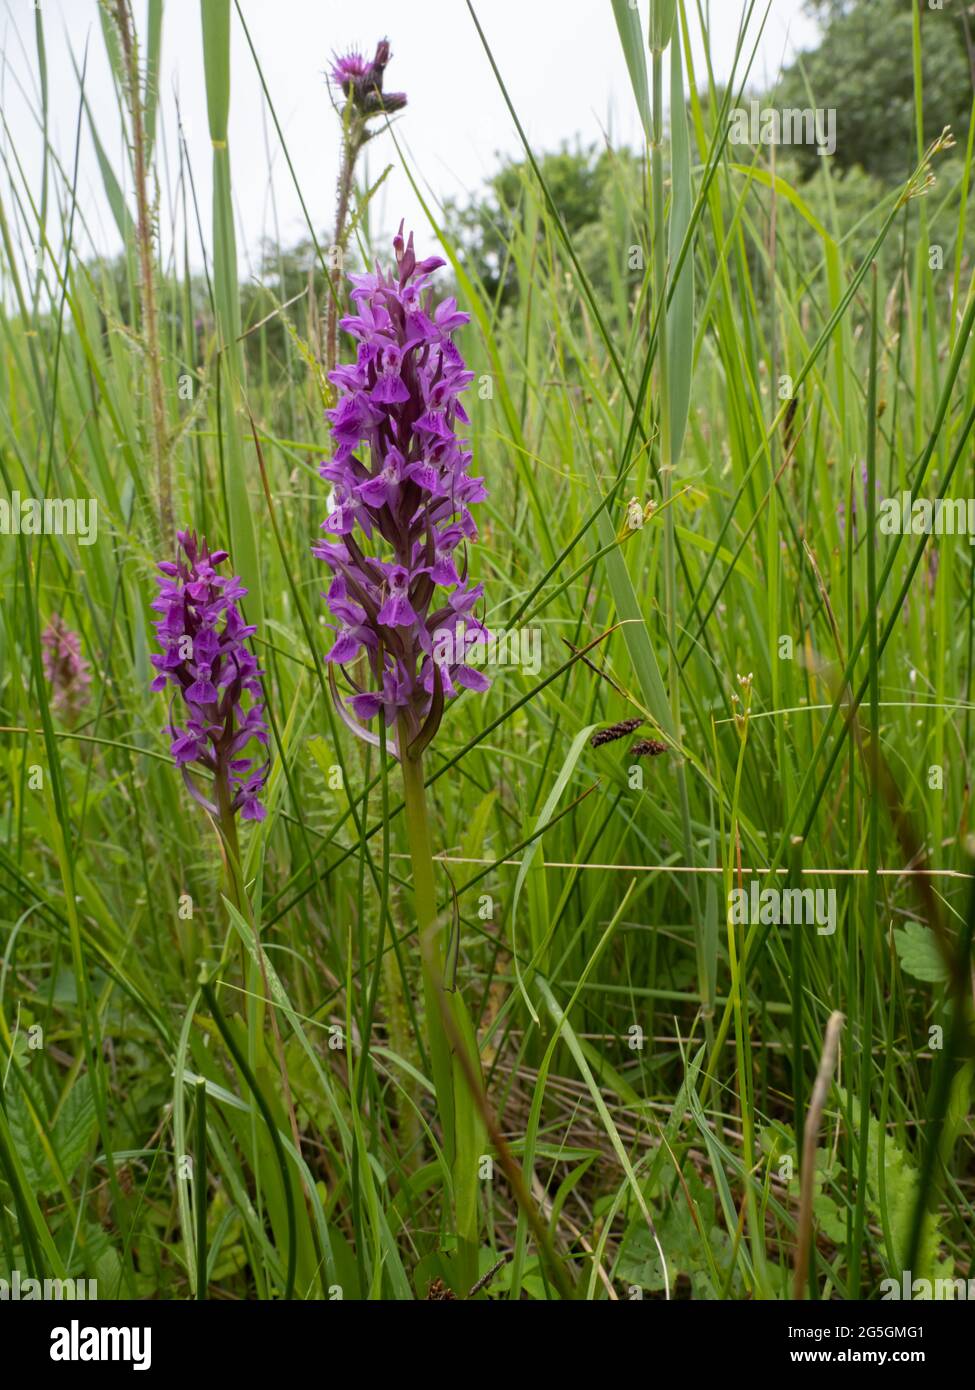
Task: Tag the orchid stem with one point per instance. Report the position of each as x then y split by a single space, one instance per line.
429 934
227 822
457 1107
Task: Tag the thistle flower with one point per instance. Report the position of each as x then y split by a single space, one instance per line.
206 656
410 488
362 82
65 668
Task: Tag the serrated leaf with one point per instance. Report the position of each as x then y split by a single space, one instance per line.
73 1129
27 1142
69 1137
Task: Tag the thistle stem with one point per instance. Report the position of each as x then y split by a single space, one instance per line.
351 144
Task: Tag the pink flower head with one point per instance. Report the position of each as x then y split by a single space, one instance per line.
66 668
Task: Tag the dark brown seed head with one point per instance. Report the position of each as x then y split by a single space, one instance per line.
648 748
626 726
438 1292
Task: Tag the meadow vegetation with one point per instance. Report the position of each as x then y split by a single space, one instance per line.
699 368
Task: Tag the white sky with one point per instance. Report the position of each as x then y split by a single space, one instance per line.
560 59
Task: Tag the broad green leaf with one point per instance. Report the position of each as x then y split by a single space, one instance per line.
680 315
919 955
529 853
663 14
628 23
635 632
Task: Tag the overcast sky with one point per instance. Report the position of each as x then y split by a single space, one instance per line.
560 60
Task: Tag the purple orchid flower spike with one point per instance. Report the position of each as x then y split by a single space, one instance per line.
65 668
207 657
400 516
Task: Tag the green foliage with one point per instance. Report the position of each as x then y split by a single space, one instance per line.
69 1136
648 1064
919 955
863 68
595 191
696 1246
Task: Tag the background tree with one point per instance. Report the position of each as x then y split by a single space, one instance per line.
864 67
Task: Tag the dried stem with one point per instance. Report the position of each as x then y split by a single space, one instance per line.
807 1172
147 282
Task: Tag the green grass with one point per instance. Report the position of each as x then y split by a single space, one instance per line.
231 1094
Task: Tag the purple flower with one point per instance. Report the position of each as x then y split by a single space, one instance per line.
65 667
206 656
400 505
362 82
348 69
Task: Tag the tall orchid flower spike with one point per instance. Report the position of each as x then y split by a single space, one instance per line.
396 544
402 493
66 668
216 710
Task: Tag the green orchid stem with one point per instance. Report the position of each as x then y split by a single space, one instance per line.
227 822
430 936
253 994
459 1115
